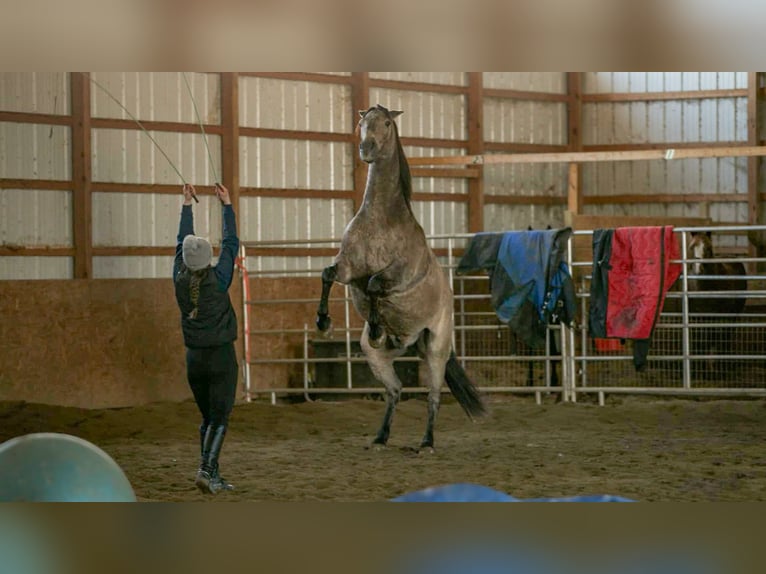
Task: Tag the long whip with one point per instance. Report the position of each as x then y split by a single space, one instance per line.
201 127
140 125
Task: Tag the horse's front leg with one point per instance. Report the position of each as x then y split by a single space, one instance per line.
329 275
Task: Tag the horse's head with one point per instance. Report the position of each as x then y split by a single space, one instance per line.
378 133
701 247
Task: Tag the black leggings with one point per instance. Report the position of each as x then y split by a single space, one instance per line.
212 373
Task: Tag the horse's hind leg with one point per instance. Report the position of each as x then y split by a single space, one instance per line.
435 352
382 366
329 275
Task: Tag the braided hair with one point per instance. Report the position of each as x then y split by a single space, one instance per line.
194 284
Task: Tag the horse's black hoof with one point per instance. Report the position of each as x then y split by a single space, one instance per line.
324 324
377 337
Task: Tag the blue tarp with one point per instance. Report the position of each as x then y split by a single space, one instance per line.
467 492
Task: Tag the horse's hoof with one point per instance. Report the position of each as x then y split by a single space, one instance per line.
376 342
324 326
377 446
428 449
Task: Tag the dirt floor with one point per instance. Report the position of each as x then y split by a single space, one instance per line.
641 448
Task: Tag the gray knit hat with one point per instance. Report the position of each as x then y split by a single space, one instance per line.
197 252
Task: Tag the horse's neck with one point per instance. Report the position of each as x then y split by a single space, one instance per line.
383 193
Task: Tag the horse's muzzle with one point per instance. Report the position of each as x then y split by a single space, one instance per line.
366 149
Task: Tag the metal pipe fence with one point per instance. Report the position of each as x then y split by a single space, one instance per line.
691 353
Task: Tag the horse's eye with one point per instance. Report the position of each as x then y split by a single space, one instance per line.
388 123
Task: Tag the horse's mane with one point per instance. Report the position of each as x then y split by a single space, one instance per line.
405 177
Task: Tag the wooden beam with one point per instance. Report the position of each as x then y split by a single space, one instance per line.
174 127
525 199
52 184
417 86
663 96
301 77
514 147
475 129
360 100
22 251
230 139
627 198
33 118
296 135
470 173
81 175
524 95
574 135
567 157
662 146
753 163
159 188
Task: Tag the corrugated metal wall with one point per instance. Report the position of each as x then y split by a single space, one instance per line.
129 156
42 218
686 121
35 218
517 121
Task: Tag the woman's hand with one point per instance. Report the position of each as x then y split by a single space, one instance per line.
189 193
223 194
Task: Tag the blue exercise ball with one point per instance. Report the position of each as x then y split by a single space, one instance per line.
54 467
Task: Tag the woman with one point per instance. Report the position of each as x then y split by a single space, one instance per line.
209 328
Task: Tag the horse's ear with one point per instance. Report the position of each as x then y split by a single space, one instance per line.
362 113
395 113
709 234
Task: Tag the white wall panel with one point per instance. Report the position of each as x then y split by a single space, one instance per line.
290 105
276 219
426 114
441 217
130 156
436 184
498 217
135 219
157 96
35 92
34 151
32 217
18 268
520 121
552 82
295 164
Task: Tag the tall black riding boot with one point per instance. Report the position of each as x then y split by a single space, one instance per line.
208 478
202 432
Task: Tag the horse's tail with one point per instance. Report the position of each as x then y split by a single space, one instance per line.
463 390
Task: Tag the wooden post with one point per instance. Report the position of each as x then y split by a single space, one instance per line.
360 100
82 209
574 131
753 163
475 119
230 138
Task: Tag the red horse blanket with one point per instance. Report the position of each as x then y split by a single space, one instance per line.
632 274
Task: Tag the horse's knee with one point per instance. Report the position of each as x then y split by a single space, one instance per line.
330 274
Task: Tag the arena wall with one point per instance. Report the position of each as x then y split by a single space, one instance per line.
93 343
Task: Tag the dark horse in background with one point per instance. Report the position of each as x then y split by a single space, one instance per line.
724 276
396 282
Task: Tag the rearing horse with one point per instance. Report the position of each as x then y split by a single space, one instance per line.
395 280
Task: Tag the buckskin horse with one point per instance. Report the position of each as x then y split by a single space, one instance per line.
396 282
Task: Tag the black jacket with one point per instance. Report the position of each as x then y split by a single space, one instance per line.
215 323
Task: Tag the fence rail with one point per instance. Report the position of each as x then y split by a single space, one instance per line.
691 353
